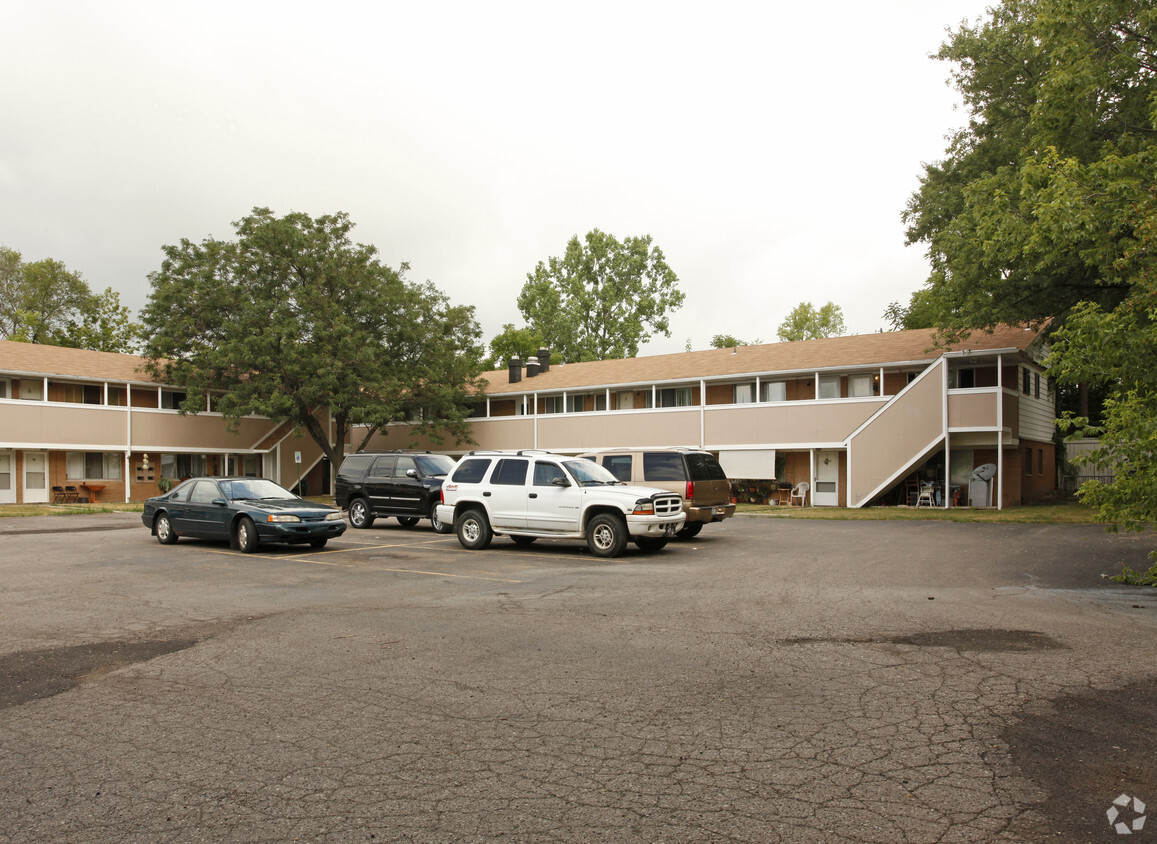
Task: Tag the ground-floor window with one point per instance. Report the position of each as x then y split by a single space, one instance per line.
94 465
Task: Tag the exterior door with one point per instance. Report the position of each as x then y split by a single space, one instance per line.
7 481
827 488
35 477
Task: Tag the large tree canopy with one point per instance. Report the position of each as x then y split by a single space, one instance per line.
1035 206
806 322
292 319
45 302
602 299
1046 208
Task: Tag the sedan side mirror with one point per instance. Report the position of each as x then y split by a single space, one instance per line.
220 502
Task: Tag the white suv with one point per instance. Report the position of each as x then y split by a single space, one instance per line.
528 494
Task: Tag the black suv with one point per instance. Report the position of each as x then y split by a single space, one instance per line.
377 484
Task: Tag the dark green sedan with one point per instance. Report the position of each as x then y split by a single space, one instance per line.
245 511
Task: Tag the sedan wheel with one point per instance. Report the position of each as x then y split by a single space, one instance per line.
246 535
164 530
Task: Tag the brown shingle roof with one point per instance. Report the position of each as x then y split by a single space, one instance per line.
39 359
888 348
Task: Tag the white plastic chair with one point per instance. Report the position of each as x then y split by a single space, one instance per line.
926 488
799 492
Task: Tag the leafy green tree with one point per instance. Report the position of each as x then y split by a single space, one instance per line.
292 319
808 323
40 301
1036 200
602 299
521 343
105 326
727 341
1044 211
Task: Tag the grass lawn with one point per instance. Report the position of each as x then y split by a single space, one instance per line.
1065 513
9 510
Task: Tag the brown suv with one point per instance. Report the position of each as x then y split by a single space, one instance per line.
694 474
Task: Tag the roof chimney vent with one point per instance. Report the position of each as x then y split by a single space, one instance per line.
531 366
515 370
544 360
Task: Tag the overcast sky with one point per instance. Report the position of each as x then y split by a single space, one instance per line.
768 148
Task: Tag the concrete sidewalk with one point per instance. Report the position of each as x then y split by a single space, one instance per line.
17 525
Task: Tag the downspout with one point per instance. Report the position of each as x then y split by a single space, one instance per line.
128 431
1000 432
947 456
535 420
702 412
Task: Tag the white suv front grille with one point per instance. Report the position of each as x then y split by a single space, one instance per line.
668 505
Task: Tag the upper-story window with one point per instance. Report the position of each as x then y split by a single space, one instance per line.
171 399
743 394
1026 381
859 385
675 397
830 387
773 391
575 404
5 388
961 378
31 389
1036 385
552 404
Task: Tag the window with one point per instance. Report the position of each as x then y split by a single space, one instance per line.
251 464
5 472
830 387
663 466
675 397
545 474
93 465
859 385
405 464
205 492
471 471
1036 385
552 404
773 391
618 465
383 467
1028 459
31 389
964 379
743 394
575 404
5 388
1026 381
171 399
116 396
510 472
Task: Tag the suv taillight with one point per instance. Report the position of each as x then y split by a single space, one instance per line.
690 496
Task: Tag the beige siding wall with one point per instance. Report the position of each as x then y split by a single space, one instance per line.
54 424
170 431
972 410
898 434
582 432
786 423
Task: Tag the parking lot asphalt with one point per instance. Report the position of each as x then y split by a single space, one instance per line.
770 680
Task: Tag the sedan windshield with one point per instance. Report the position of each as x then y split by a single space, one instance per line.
589 473
255 489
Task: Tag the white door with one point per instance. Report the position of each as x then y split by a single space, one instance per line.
7 482
827 488
35 477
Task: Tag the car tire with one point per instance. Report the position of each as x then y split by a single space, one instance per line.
689 530
319 542
473 530
519 539
607 535
163 528
651 544
408 521
438 525
360 515
246 535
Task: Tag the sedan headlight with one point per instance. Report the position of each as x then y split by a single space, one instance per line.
281 517
333 517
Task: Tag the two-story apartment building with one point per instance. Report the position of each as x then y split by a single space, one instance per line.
95 422
863 419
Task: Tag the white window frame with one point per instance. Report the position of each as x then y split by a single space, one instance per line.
743 393
773 391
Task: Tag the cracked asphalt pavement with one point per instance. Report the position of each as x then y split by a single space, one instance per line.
770 681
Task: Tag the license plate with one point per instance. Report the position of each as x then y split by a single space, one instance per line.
669 530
